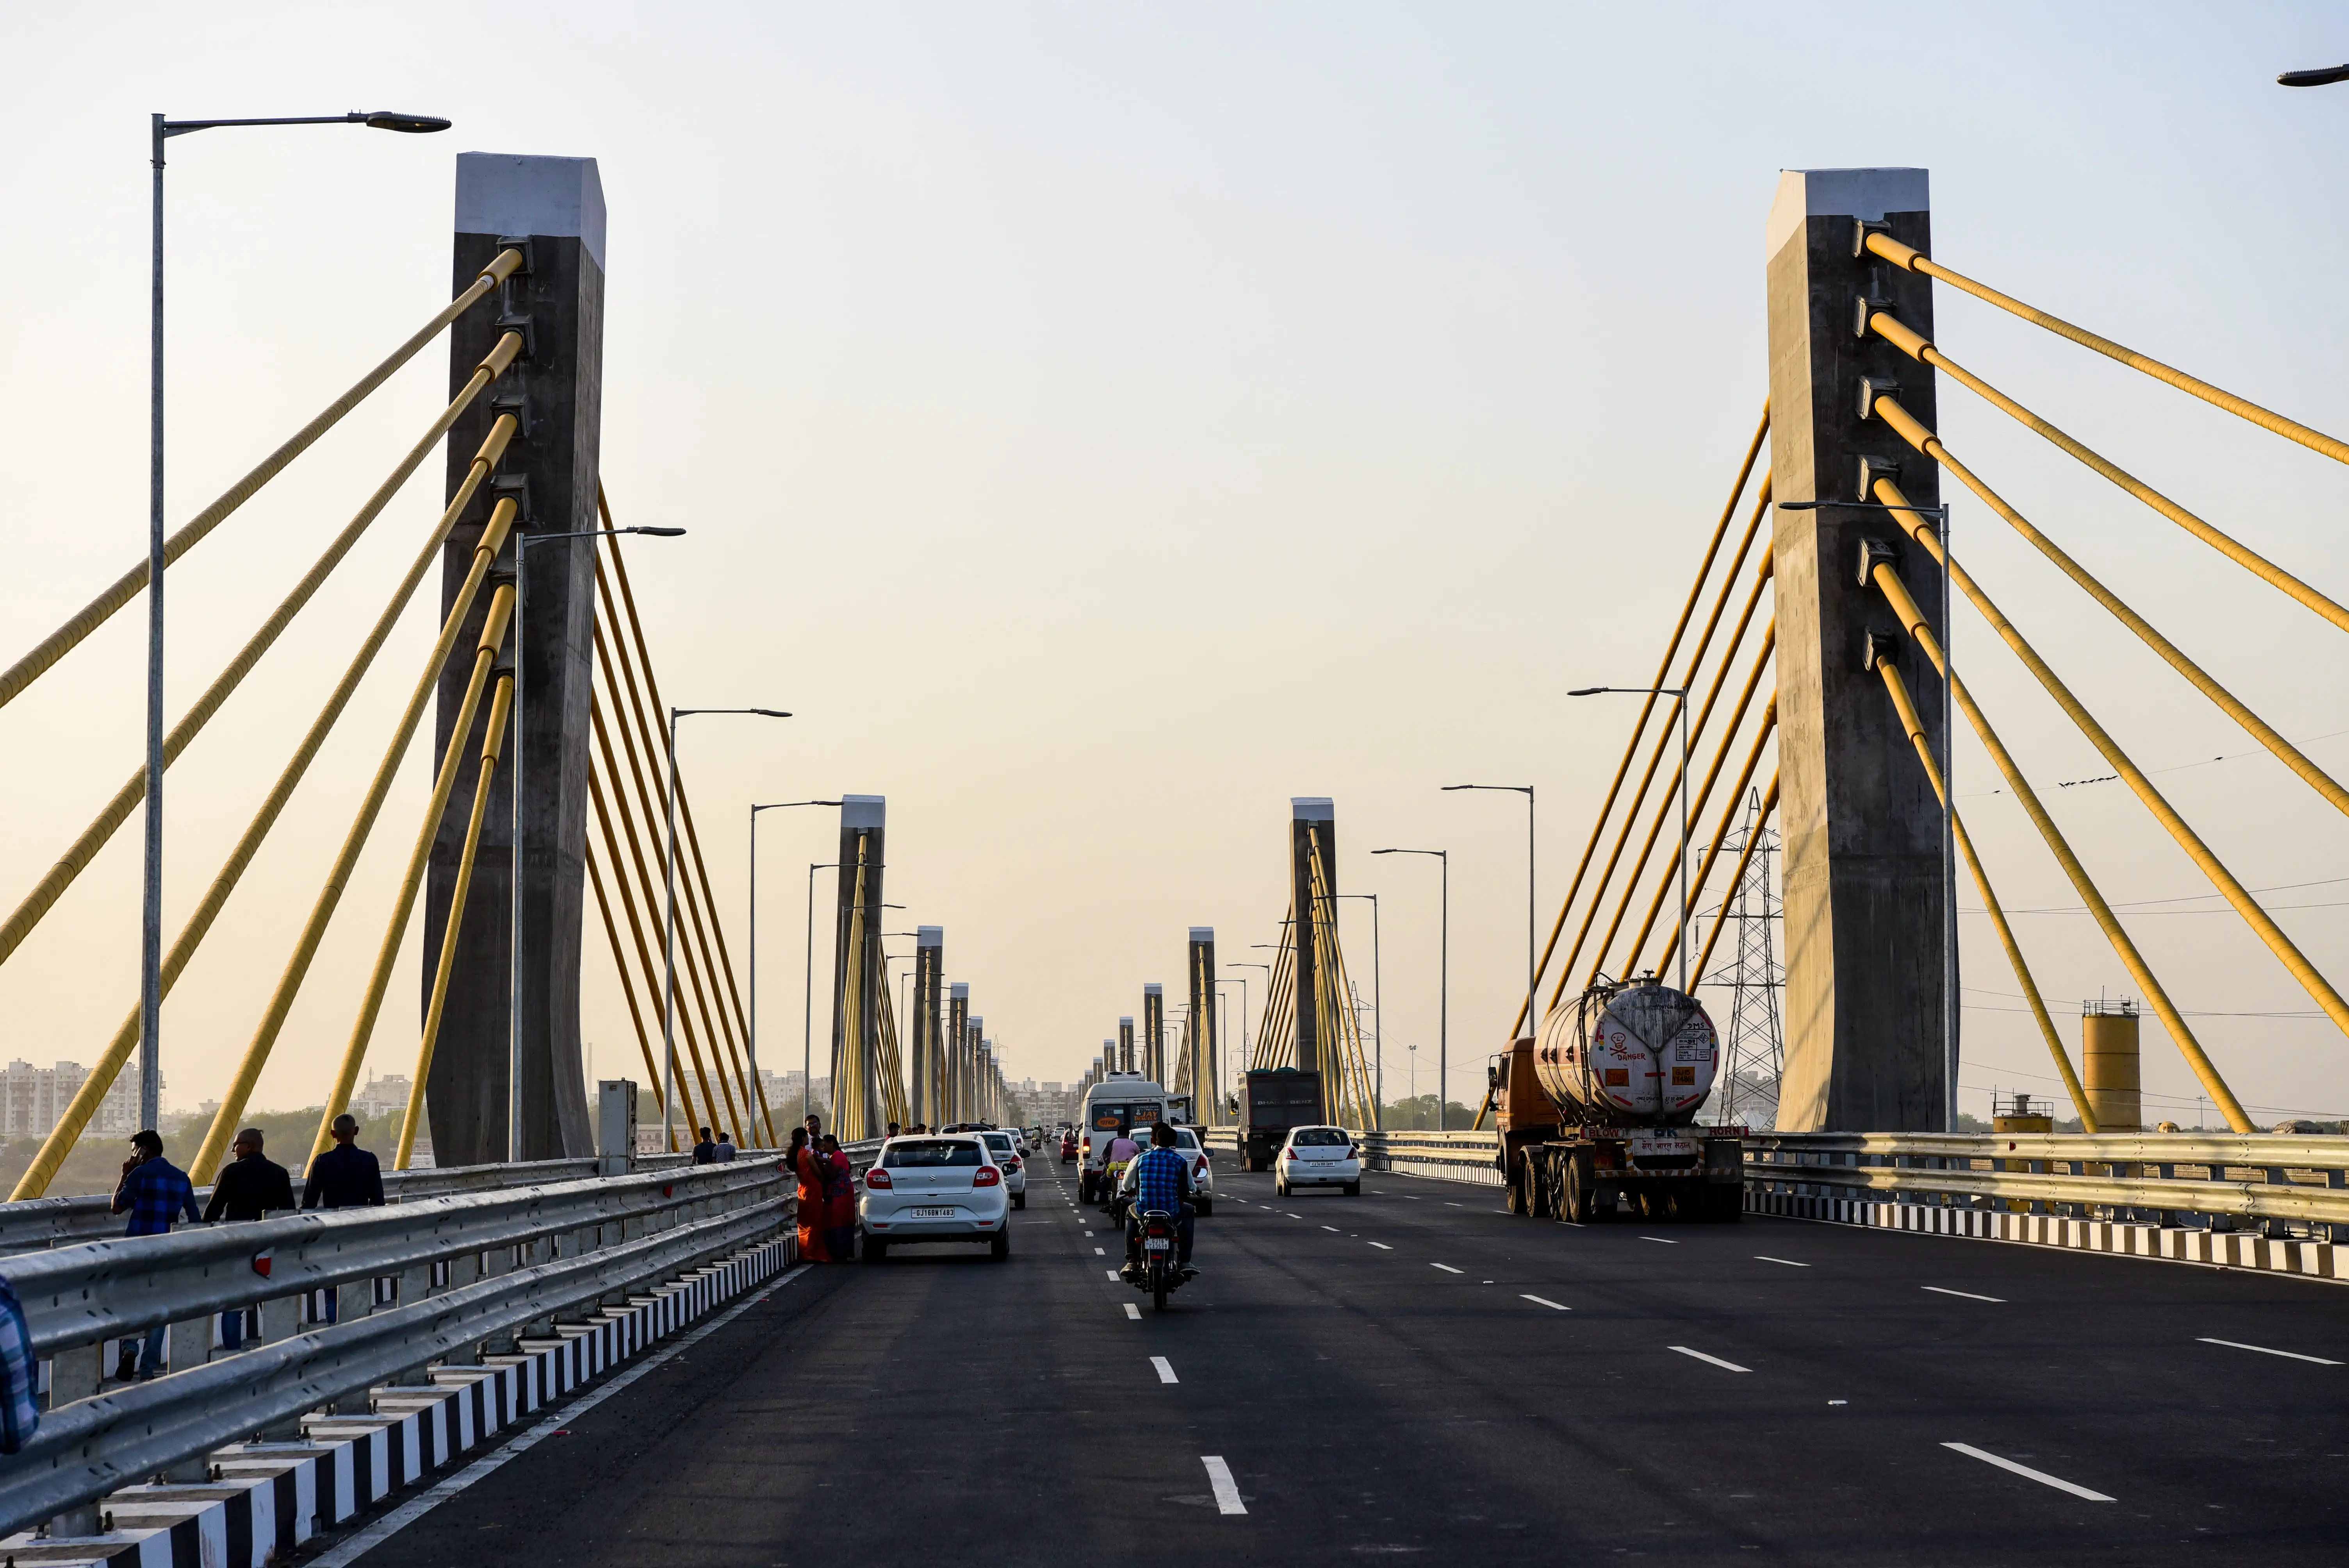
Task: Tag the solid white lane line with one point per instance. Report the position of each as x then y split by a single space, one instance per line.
1383 1246
1717 1361
1545 1301
1131 1310
1165 1369
407 1513
1969 1295
1447 1268
1666 1240
1790 1263
2042 1476
1227 1491
2287 1355
1333 1229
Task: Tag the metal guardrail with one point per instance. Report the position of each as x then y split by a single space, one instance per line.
570 1244
60 1221
2177 1178
1445 1156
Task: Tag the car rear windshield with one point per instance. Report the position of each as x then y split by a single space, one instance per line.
930 1152
999 1141
1319 1138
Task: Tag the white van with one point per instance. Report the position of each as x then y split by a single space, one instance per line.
1126 1102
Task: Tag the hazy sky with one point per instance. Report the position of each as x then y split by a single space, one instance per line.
1101 423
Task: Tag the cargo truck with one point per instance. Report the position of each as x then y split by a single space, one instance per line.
1598 1114
1273 1100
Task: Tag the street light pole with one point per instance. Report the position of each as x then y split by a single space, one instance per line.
522 542
150 900
774 806
668 904
1680 694
1443 1012
1532 1023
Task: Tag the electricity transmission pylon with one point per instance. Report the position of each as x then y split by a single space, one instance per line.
1755 1050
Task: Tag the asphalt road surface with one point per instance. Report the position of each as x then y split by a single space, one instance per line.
1413 1373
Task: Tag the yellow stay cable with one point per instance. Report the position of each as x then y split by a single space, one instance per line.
1762 733
338 1095
1925 441
643 952
87 1099
117 810
492 740
1648 706
627 985
133 583
1915 727
1913 620
2187 840
1901 255
1914 344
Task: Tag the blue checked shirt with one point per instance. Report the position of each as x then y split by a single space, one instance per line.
1159 1178
155 1195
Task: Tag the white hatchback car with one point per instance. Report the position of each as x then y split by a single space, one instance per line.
1317 1157
945 1188
1202 1169
1005 1147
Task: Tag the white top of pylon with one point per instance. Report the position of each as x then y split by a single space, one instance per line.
1841 192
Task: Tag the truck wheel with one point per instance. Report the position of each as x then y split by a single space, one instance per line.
1519 1179
1543 1199
1579 1197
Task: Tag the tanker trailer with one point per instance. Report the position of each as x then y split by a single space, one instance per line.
1597 1113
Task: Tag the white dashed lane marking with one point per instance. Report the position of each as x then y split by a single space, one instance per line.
1131 1310
1969 1295
1666 1240
2042 1476
1545 1301
1788 1262
1330 1228
1383 1246
2287 1355
1715 1360
1447 1268
1165 1370
1227 1491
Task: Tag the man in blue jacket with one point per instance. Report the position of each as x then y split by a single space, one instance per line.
154 1192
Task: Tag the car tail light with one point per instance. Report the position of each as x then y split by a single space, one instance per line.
987 1176
877 1177
1201 1170
1014 1163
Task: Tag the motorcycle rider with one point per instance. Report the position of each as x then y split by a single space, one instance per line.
1115 1158
1159 1178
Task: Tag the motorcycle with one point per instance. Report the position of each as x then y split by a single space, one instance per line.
1157 1273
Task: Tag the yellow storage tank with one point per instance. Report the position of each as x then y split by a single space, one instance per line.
2108 1051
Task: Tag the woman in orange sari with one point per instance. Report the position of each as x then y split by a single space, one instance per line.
811 1171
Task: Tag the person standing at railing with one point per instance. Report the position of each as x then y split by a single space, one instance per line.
248 1188
839 1201
725 1152
154 1192
705 1152
804 1157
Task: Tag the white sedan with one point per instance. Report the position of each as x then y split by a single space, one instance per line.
1317 1157
1005 1147
945 1189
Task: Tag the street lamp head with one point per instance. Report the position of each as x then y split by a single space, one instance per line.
2324 77
1588 691
766 712
414 124
653 532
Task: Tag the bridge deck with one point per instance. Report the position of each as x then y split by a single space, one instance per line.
1369 1402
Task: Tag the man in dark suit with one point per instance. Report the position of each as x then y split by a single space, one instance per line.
248 1187
346 1176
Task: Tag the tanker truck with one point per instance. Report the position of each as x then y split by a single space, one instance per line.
1597 1113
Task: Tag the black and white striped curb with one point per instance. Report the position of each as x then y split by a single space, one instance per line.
269 1496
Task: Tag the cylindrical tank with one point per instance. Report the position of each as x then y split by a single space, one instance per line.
1635 1054
2108 1054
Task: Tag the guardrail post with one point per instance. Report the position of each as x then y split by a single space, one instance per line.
76 1374
1862 826
553 208
463 1270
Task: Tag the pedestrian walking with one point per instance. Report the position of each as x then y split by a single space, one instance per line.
804 1158
344 1177
247 1188
725 1151
705 1152
154 1192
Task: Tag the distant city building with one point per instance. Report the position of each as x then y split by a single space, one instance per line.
383 1102
33 1099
